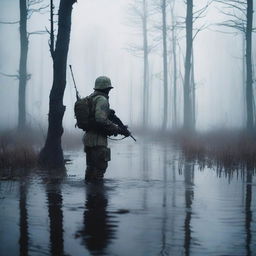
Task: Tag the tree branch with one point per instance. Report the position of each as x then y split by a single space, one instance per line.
9 22
8 75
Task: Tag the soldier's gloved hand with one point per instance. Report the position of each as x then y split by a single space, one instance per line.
115 131
125 132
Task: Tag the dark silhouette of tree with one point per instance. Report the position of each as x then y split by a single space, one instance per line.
26 9
52 155
249 74
189 87
240 15
23 76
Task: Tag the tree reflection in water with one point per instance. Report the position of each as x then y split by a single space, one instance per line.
164 249
98 225
24 234
248 211
189 196
54 201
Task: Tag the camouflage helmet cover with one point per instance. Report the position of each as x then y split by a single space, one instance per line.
102 82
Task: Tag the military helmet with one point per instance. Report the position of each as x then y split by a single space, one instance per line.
102 82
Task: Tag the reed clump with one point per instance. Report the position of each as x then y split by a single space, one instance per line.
227 149
17 151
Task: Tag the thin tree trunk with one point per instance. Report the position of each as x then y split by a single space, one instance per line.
52 155
146 65
249 81
23 65
244 78
187 87
165 82
174 47
193 91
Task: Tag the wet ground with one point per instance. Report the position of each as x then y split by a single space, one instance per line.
152 202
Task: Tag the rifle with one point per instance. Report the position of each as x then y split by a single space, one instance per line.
112 117
78 97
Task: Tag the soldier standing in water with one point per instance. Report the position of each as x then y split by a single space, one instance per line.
95 139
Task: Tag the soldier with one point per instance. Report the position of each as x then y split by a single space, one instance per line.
95 140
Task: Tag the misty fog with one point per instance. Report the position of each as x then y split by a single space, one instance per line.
183 74
101 35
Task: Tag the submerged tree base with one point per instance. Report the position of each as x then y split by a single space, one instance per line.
51 157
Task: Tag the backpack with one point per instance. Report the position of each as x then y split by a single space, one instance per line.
84 113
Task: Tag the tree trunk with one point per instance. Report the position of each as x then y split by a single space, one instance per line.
174 42
193 92
244 79
145 64
52 29
249 80
187 87
52 155
23 65
165 81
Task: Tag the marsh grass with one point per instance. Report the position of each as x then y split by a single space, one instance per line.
224 149
18 150
219 149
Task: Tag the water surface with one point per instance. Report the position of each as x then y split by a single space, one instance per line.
152 202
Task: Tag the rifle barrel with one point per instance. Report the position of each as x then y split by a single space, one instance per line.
73 78
133 138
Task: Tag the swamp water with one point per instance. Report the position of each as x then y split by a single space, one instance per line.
152 202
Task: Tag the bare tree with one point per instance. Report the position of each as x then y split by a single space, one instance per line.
174 58
240 15
160 8
139 16
165 72
23 76
52 154
27 8
189 89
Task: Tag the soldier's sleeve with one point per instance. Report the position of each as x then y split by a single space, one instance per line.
101 116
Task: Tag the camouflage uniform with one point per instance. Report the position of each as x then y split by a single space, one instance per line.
95 141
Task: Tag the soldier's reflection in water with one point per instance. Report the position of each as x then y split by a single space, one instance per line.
98 225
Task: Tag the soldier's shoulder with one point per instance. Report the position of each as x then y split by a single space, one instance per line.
100 99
